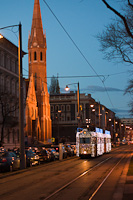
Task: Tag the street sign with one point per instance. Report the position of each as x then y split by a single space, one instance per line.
52 139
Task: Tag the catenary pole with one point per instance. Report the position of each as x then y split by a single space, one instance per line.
21 107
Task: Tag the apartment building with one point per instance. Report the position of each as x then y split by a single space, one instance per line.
65 119
9 94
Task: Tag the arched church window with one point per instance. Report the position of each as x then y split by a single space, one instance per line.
30 56
35 56
41 56
35 81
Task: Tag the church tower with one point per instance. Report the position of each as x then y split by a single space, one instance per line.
37 68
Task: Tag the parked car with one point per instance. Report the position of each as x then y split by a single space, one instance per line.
9 161
31 158
16 151
44 155
54 152
68 148
52 155
2 150
56 147
74 148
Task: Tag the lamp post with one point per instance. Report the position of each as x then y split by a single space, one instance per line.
78 99
93 116
21 108
58 118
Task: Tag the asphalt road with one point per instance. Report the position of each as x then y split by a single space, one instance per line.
71 179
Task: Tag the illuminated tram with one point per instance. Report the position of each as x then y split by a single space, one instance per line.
89 143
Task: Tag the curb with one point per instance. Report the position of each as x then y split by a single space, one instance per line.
20 171
119 192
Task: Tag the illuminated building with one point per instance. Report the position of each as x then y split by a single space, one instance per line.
38 120
64 112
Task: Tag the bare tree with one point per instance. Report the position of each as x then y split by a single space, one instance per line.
117 39
122 17
129 90
8 105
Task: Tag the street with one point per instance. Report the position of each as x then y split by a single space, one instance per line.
73 178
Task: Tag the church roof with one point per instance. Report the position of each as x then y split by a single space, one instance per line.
37 37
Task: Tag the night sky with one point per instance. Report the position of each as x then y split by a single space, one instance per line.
72 46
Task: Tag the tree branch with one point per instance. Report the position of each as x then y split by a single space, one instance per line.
121 16
129 3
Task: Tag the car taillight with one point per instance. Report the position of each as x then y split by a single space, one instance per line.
4 160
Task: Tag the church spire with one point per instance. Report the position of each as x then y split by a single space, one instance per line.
37 38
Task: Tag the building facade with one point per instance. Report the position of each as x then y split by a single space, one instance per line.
38 119
127 123
65 120
9 94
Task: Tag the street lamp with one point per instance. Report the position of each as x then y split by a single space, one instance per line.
21 108
93 115
1 36
78 98
58 119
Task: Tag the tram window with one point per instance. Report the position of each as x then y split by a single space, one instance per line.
85 140
93 140
98 140
109 140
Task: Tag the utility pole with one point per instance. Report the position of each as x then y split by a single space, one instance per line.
21 107
21 97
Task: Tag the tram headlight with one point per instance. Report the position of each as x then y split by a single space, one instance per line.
85 152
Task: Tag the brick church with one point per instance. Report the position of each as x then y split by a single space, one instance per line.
38 120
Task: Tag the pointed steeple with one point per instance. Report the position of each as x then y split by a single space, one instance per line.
37 38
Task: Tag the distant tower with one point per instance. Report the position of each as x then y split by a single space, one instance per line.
37 67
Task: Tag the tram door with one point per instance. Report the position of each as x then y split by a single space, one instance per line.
95 142
105 141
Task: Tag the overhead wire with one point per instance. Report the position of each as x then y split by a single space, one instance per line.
78 49
105 76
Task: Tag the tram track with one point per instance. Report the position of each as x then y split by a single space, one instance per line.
100 184
84 173
60 177
94 193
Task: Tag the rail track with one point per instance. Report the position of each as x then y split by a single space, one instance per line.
91 192
73 179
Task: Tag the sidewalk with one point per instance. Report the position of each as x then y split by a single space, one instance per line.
124 190
128 189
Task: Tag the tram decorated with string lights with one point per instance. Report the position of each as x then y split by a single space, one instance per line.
93 144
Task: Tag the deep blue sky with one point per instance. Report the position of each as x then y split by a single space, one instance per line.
83 20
